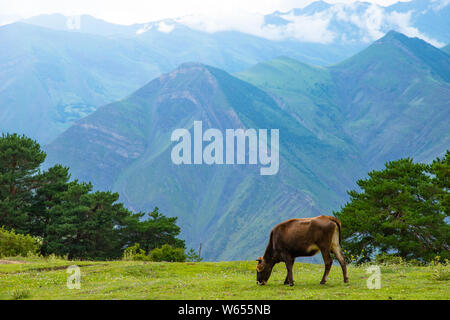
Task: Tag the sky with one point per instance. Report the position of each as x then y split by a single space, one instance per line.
140 11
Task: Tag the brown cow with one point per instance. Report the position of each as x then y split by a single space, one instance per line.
300 238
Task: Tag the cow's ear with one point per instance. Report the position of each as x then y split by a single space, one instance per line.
260 265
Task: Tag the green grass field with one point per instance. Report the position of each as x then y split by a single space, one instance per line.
38 278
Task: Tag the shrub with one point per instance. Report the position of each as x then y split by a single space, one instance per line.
386 259
19 294
168 253
135 253
350 258
13 244
441 271
193 256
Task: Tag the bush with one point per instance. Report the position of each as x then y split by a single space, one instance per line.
387 259
135 253
168 253
441 271
19 294
192 256
13 244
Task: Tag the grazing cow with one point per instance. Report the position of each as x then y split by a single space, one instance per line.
300 238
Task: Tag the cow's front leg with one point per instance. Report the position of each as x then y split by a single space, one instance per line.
286 281
289 266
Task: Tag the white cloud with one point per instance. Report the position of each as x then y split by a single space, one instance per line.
360 23
402 22
145 28
220 21
164 27
304 28
142 11
313 28
439 4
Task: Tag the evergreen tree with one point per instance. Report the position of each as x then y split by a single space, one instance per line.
20 158
399 211
153 232
71 219
52 183
441 170
86 225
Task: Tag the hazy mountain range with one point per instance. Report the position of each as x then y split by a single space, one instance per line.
391 100
318 22
67 75
104 99
69 66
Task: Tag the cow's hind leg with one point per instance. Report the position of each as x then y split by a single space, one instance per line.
337 250
328 260
289 266
341 258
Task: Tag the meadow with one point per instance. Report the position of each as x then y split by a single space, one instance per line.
46 278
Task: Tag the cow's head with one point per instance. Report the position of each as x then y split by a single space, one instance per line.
263 271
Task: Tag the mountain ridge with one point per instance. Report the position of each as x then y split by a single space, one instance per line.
68 75
336 123
344 22
359 87
207 200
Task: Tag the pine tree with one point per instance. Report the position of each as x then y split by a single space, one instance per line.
154 231
441 170
71 219
399 211
86 225
52 183
20 158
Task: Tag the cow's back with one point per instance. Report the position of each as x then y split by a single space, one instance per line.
301 237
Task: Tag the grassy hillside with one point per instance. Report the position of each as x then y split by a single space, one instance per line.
46 279
389 101
125 146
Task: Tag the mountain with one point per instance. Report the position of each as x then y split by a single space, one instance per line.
176 38
69 66
389 101
446 49
305 91
125 146
395 96
365 22
338 25
82 23
51 78
67 75
335 123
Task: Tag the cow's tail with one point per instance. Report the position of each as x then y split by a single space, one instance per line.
339 225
